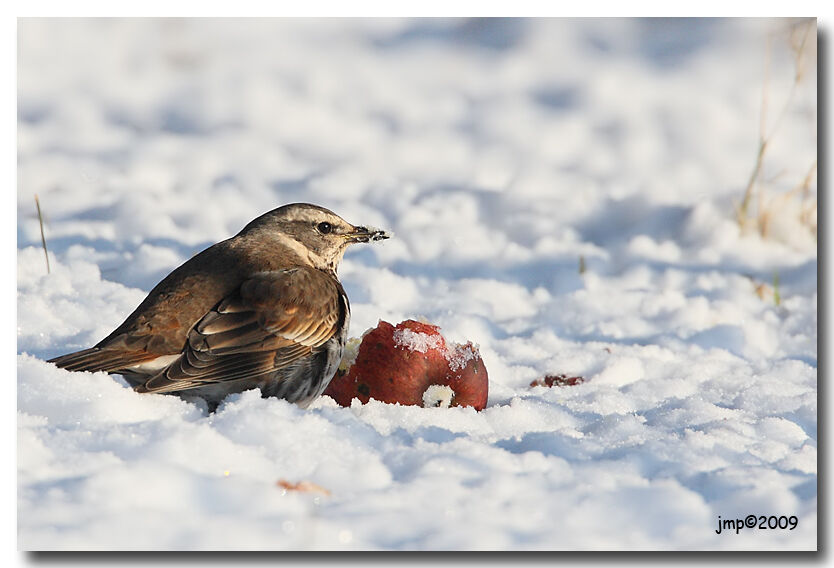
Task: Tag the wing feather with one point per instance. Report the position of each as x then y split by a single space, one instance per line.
98 359
270 322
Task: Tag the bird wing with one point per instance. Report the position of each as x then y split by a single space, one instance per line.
158 327
272 320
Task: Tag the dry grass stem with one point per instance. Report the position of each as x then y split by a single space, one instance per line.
799 34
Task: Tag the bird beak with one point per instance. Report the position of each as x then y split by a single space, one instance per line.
367 235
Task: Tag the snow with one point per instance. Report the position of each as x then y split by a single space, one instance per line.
456 354
562 194
410 340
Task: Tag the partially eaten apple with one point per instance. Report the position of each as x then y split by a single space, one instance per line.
410 363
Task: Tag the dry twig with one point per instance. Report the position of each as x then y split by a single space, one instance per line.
43 237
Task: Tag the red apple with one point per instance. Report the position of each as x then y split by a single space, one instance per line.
412 364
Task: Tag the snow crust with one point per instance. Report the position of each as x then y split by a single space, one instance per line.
417 341
562 193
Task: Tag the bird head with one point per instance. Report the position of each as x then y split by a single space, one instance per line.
314 233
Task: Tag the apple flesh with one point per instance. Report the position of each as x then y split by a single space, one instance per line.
411 363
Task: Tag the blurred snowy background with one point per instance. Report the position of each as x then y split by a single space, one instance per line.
569 194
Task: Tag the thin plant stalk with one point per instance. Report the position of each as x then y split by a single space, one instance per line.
43 237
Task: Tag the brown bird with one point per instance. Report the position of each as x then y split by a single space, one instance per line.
264 309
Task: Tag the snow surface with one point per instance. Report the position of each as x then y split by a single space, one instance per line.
505 155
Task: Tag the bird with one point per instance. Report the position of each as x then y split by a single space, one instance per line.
264 308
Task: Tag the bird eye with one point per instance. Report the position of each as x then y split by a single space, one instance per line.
324 227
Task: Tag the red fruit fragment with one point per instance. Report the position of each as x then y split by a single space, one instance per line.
411 364
557 381
301 486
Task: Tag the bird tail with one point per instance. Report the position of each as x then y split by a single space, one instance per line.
97 359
